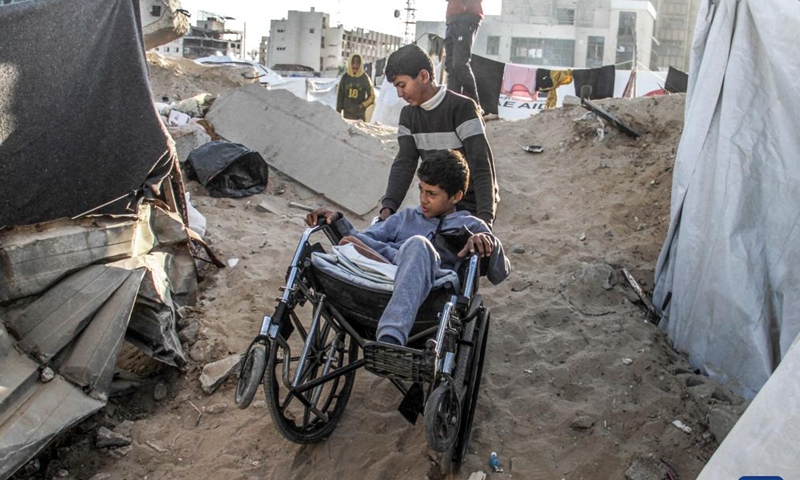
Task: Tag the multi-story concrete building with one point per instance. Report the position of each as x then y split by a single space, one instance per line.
674 33
208 38
565 33
307 39
371 45
262 50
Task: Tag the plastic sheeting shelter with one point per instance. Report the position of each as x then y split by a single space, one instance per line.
72 286
86 142
727 282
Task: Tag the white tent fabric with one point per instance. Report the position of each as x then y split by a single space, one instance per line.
388 105
727 282
764 441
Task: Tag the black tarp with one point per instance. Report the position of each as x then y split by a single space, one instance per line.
676 81
489 80
601 80
228 169
78 128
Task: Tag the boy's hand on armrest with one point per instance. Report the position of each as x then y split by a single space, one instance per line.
329 215
480 243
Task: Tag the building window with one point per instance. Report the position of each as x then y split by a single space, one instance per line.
594 52
493 45
565 16
280 30
626 40
543 51
156 11
310 30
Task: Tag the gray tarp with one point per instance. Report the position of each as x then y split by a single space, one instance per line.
727 280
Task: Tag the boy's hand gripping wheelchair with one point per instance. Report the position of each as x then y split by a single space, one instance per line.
307 363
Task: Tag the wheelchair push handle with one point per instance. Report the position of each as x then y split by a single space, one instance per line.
322 216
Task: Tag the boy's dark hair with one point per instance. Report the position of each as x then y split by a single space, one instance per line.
447 169
408 60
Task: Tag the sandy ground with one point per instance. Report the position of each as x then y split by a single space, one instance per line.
577 384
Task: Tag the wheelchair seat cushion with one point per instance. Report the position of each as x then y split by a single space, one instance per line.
362 301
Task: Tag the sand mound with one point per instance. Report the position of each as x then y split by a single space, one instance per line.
181 78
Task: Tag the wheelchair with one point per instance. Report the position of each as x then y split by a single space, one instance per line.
322 331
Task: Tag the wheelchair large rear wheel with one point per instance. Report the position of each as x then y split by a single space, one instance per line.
310 416
473 387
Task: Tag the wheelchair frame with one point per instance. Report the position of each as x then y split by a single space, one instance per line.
318 388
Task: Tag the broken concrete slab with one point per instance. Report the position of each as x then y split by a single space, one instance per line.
162 22
307 141
214 374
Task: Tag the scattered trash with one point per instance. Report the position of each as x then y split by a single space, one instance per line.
682 426
528 370
232 262
651 310
301 206
582 237
157 448
495 463
46 375
177 118
533 148
622 126
627 361
479 475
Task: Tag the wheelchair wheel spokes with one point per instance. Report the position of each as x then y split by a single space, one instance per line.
303 414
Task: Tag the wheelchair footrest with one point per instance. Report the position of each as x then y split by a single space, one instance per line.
400 363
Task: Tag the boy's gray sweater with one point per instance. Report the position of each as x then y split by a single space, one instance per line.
388 236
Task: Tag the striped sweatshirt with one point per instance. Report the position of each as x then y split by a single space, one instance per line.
454 123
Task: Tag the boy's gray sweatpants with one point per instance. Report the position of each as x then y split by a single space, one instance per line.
417 263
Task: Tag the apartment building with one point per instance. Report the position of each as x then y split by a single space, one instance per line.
674 33
307 40
262 50
565 33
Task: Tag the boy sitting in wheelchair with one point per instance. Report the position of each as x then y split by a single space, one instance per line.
415 240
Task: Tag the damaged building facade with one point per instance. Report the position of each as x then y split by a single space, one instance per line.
309 40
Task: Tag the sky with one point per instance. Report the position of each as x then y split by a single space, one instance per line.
377 15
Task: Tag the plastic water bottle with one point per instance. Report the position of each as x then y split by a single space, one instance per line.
495 463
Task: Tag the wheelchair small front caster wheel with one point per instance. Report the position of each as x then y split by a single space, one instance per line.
442 417
252 371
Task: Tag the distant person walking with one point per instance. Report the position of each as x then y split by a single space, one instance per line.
463 19
355 92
